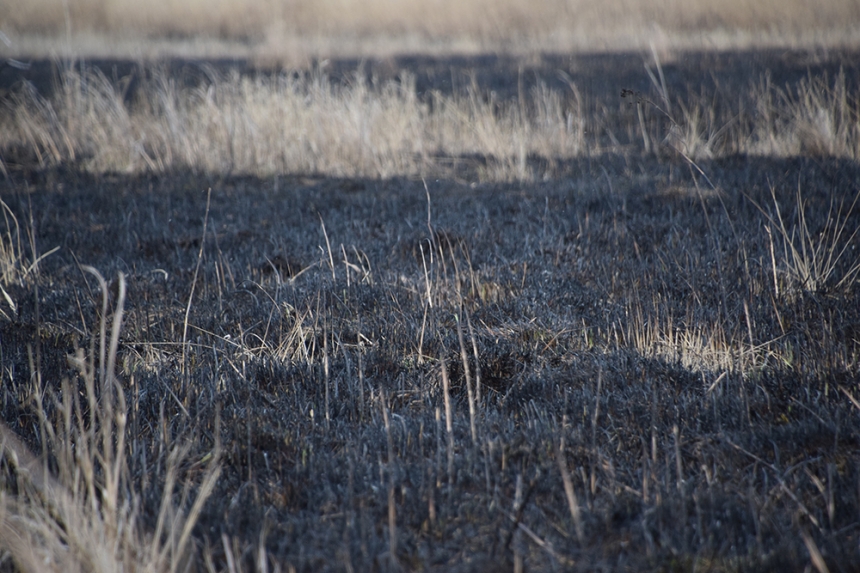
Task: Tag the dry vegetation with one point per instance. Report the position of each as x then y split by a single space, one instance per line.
286 123
481 315
294 30
364 126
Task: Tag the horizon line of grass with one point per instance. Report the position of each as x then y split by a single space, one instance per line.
298 29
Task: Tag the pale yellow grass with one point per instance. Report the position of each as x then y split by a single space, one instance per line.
305 123
299 29
290 123
820 117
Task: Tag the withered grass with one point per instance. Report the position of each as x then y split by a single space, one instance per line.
302 30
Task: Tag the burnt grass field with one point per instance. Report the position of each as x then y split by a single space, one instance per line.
623 365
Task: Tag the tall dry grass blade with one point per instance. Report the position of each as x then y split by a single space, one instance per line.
392 507
205 490
194 285
470 391
449 423
814 553
570 493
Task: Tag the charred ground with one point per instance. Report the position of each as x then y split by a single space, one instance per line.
656 327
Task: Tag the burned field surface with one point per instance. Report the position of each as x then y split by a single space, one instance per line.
641 356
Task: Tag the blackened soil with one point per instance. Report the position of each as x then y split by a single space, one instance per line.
624 308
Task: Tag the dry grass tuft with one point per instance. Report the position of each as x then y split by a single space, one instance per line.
814 260
817 117
287 123
368 127
78 508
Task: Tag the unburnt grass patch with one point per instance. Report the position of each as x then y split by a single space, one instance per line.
479 122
